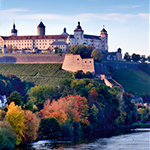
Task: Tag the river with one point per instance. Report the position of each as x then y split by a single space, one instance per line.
132 141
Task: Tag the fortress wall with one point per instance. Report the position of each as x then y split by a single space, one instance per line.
102 68
75 62
31 58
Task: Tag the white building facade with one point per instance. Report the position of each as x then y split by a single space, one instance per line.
49 42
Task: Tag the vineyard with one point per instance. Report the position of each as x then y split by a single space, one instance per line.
38 74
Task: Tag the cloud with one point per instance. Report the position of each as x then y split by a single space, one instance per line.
14 10
124 7
22 14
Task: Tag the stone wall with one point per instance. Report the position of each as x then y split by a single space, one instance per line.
31 58
75 62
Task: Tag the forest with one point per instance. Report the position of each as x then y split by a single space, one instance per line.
74 107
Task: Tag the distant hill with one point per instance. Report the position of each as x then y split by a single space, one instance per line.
38 74
133 80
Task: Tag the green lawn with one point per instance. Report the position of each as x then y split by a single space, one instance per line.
39 74
133 80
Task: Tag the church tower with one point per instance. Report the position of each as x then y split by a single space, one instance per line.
14 31
41 29
104 37
78 35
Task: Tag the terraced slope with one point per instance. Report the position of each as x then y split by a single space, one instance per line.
133 80
39 74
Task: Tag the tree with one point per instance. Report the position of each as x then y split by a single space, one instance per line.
15 116
135 57
7 136
57 50
39 94
31 127
84 51
16 98
96 55
148 58
143 58
127 56
71 108
49 128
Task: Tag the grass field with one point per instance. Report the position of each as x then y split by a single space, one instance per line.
133 80
38 74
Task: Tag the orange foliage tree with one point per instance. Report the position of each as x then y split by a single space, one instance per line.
71 108
31 127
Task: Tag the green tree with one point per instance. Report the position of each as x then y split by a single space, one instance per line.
7 136
39 94
49 128
136 57
127 56
84 51
96 55
16 98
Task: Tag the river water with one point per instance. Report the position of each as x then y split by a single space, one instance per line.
132 141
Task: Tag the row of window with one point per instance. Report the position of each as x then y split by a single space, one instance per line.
29 41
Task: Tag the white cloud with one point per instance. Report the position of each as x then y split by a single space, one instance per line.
20 14
123 7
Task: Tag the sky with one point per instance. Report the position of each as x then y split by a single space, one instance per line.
126 21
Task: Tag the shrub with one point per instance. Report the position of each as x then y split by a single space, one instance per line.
7 136
49 128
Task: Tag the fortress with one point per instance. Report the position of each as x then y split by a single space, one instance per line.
47 43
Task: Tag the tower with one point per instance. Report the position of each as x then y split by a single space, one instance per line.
78 34
104 37
14 31
41 29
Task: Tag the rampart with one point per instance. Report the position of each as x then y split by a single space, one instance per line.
31 58
75 62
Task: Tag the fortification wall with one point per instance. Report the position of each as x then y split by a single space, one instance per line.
75 62
31 58
102 68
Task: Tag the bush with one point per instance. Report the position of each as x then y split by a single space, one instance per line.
67 130
49 128
7 136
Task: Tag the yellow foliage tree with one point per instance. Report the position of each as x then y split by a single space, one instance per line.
15 116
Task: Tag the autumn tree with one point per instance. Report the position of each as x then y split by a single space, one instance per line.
31 123
15 116
71 108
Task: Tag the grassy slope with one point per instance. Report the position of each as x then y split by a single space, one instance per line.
39 74
133 80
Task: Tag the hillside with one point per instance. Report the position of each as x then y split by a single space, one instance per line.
38 74
133 80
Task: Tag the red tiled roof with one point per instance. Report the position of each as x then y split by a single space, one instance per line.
34 37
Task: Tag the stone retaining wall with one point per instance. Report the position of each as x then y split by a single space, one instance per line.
31 58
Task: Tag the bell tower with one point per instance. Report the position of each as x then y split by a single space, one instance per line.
78 35
104 38
14 31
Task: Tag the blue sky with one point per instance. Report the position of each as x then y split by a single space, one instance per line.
126 21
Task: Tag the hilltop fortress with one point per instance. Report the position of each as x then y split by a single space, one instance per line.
47 43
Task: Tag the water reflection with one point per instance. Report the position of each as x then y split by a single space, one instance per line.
133 141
